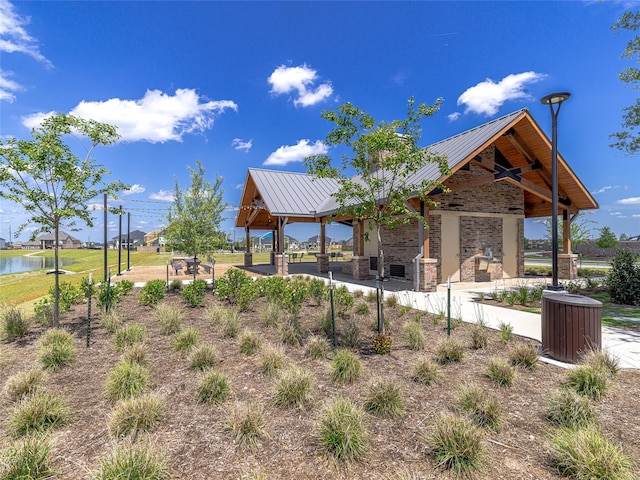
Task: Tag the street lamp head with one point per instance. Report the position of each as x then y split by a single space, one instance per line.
555 98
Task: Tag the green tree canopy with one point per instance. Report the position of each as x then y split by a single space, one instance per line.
51 183
607 238
376 177
579 231
196 213
628 139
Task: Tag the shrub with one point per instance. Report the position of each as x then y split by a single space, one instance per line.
426 371
230 284
193 294
384 398
176 284
169 317
133 461
343 429
249 342
362 308
127 380
449 350
56 349
213 388
342 300
185 340
588 380
152 292
524 355
203 357
414 335
111 320
587 454
13 324
136 353
290 331
317 291
294 387
295 293
231 324
317 348
24 384
346 366
27 458
271 314
506 330
37 413
272 288
482 408
501 372
43 311
456 444
247 295
601 359
568 409
129 335
272 359
382 344
246 422
135 415
623 280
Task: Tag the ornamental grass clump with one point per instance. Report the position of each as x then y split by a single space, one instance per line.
133 461
501 372
566 408
231 324
506 331
272 359
294 388
215 314
129 335
524 355
111 320
271 314
185 340
346 366
136 353
27 458
13 324
414 335
587 454
588 380
56 348
384 398
246 422
290 331
317 348
203 357
480 407
134 415
601 359
449 350
456 444
249 342
426 371
169 317
213 388
127 380
24 384
342 429
37 413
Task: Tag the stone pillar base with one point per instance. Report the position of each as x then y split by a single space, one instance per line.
360 267
322 262
248 259
272 257
428 274
567 266
282 265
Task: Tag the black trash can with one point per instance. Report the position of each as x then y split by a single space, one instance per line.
571 324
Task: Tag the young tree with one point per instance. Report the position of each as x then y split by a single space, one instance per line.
579 232
607 238
51 182
376 179
628 140
194 217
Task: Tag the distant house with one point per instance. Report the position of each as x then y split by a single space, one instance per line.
136 238
3 244
314 242
157 238
47 241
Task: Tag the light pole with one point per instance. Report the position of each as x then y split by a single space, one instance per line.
551 100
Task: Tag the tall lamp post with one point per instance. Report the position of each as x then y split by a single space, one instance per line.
553 100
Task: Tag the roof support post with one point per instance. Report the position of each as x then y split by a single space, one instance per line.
323 237
247 233
566 232
361 226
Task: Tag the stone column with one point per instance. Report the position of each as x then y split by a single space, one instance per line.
428 274
360 267
282 266
322 262
567 266
248 259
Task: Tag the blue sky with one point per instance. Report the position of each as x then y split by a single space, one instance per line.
242 84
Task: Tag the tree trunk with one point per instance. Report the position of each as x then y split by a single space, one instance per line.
56 273
380 282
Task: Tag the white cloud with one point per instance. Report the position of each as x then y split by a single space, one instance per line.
240 144
135 188
603 189
454 116
239 186
629 201
635 215
488 96
7 87
615 214
300 80
164 195
156 117
230 208
295 153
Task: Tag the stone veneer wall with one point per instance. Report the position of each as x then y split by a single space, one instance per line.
400 247
435 242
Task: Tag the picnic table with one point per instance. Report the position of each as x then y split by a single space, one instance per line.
191 265
294 256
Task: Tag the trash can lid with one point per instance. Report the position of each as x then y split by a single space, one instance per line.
571 299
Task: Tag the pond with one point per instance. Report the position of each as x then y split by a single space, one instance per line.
27 263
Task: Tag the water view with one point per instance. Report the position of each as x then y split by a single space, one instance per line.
25 264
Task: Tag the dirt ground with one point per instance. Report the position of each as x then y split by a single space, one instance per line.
144 274
194 439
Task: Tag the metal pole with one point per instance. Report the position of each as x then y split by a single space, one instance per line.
333 312
89 310
554 196
104 245
119 240
128 241
449 307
